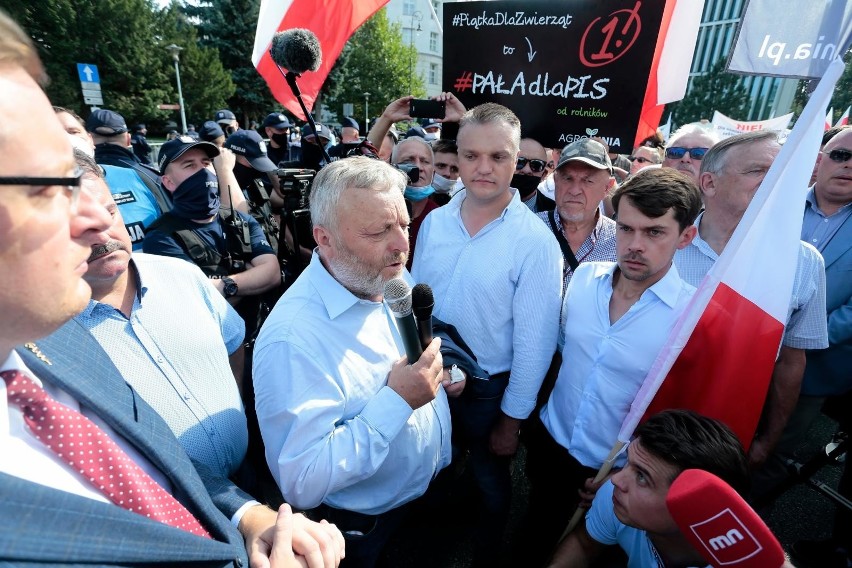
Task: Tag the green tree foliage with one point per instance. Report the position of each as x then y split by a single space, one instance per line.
716 90
375 60
229 26
840 99
126 39
206 84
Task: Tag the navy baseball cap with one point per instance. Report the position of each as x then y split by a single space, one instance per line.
430 123
248 143
276 120
210 131
174 149
224 115
350 122
106 123
321 130
415 131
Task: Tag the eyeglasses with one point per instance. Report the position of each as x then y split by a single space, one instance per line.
839 155
677 152
640 159
71 184
535 165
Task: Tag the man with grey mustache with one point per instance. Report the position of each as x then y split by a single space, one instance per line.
171 334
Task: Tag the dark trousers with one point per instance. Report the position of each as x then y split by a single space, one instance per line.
554 480
474 414
365 535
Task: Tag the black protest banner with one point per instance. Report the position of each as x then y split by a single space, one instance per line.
569 69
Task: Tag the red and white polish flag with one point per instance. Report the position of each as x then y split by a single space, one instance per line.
333 22
719 357
828 117
844 120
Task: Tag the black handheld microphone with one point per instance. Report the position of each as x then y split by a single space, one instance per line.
298 50
398 297
422 303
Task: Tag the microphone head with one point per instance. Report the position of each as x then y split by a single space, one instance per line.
719 523
297 50
397 294
422 301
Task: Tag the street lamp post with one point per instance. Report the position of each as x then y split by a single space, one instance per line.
414 16
175 51
366 112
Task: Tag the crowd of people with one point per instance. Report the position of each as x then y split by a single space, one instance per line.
173 398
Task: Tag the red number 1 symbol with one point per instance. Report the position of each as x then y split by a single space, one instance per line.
616 42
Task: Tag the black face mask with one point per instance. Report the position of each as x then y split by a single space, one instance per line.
280 139
246 175
525 184
197 197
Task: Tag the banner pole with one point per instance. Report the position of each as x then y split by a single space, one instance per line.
600 476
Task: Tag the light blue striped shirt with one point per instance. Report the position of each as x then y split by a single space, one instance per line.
174 351
334 432
501 289
806 326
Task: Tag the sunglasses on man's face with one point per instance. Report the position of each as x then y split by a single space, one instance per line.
677 152
640 159
839 155
535 165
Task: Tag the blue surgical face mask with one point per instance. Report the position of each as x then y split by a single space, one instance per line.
442 184
197 197
418 193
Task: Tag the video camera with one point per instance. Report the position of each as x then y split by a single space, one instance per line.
409 170
295 187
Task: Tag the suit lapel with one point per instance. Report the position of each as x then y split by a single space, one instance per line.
839 243
53 526
84 370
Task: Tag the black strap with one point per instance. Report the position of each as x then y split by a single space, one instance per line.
154 187
563 243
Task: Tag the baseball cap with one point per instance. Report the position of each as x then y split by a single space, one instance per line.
106 123
350 122
587 151
415 131
248 143
321 130
276 120
224 115
210 131
430 123
174 149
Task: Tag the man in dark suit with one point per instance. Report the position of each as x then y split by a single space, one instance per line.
828 375
52 513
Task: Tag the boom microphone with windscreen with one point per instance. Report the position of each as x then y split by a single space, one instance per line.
720 524
397 294
297 50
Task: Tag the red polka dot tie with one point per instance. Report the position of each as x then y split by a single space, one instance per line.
80 443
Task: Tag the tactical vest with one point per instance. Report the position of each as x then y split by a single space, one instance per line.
237 243
260 207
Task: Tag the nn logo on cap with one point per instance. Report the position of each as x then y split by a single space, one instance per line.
726 538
